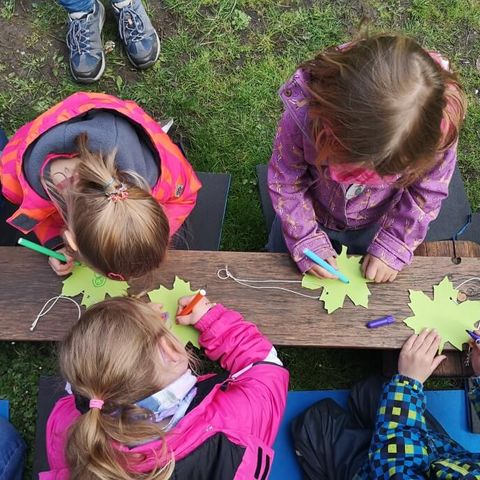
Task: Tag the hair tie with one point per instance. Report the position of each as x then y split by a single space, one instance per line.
115 276
96 403
119 193
109 184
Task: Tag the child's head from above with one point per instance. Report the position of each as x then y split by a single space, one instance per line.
112 219
383 104
119 352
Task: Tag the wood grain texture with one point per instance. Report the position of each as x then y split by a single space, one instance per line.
27 282
448 248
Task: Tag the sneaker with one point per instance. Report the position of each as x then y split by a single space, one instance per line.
84 41
141 41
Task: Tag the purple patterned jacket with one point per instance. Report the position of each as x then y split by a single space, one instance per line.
306 198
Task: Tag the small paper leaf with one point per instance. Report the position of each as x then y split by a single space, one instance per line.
448 318
169 300
93 286
335 291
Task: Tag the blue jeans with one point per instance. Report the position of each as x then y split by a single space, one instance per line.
72 6
12 452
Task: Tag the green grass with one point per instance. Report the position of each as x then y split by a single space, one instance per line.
221 64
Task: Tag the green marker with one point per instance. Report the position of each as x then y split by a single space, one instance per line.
40 249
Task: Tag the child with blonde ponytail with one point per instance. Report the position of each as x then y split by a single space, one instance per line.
138 412
96 175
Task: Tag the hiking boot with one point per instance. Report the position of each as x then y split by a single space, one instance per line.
84 41
141 41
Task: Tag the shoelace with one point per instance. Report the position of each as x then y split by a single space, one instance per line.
77 39
132 26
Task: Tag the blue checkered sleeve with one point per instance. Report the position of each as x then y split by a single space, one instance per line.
475 395
399 445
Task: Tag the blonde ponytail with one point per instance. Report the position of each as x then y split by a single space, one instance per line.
111 354
119 228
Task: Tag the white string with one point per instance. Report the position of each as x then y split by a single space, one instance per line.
49 304
224 274
466 281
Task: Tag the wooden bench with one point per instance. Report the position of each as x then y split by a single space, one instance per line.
27 283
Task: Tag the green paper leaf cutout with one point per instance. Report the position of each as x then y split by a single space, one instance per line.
169 300
335 291
94 286
448 318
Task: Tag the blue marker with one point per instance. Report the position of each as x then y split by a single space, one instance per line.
474 336
319 261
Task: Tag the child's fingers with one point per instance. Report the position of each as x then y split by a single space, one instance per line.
371 270
420 339
60 268
409 343
332 261
433 342
437 361
183 302
321 272
183 320
365 262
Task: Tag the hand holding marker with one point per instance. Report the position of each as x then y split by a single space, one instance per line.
319 261
188 309
45 251
475 336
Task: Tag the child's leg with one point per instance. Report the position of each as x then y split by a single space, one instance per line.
276 242
364 400
328 442
84 39
357 241
74 6
12 452
3 139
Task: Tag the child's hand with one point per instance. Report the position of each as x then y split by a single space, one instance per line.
61 268
475 358
418 357
320 272
200 309
375 269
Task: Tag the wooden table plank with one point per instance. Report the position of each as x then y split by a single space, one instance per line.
26 282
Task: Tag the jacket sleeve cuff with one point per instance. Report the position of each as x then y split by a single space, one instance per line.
390 250
319 244
210 318
407 382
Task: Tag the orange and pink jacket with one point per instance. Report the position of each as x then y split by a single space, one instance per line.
176 188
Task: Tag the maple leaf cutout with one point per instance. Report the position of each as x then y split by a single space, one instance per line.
448 318
335 291
169 300
93 286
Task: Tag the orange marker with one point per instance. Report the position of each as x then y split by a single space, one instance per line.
188 309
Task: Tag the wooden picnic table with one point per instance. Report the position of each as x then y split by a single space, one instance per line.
27 282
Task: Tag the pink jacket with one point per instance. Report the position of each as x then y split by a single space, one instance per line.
246 408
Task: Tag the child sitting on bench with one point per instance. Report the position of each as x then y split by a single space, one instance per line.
138 409
97 174
388 432
364 154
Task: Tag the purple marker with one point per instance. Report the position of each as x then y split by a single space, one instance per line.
474 336
380 322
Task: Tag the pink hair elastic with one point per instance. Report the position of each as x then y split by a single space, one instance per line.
115 276
96 403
